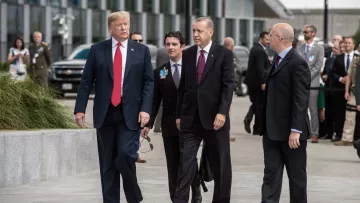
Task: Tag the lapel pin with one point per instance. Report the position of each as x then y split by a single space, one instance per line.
132 49
212 55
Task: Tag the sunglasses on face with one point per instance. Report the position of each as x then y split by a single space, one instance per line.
138 40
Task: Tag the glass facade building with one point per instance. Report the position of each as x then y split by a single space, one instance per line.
153 18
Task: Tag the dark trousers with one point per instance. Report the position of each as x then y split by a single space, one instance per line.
116 145
357 127
256 96
218 145
329 113
276 155
339 112
172 154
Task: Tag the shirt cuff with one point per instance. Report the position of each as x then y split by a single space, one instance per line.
294 130
340 79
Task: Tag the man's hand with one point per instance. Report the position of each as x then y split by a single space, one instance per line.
80 119
294 142
347 96
145 132
343 80
143 118
263 87
358 107
219 121
178 123
325 77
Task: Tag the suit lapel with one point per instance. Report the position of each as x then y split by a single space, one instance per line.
209 61
130 54
109 57
169 78
283 62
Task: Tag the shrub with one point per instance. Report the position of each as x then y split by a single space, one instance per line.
25 105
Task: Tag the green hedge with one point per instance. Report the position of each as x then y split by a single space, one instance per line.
4 67
25 105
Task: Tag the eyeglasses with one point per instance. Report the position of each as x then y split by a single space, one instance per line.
138 40
305 32
144 148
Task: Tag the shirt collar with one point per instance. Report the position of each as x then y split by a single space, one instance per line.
283 53
351 54
123 44
172 62
206 49
311 44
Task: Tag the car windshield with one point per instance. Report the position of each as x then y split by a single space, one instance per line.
82 54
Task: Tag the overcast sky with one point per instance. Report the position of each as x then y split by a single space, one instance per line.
297 4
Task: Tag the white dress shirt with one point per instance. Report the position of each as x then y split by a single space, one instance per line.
309 45
206 49
172 63
351 58
123 49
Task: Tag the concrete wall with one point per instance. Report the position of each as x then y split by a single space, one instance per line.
33 156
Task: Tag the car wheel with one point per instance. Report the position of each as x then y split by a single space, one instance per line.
241 88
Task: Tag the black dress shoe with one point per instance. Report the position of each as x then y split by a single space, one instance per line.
247 126
336 138
358 150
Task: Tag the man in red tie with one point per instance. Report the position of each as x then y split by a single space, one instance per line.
204 97
122 72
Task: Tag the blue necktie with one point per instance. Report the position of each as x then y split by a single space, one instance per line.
347 62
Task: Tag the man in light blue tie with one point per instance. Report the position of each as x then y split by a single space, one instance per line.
313 54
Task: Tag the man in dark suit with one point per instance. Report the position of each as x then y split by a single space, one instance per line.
286 124
258 66
167 78
204 98
124 88
339 72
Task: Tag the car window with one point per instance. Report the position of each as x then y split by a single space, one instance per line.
241 55
83 54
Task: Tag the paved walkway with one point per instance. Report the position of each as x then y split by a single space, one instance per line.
333 174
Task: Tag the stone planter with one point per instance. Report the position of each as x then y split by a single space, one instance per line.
33 156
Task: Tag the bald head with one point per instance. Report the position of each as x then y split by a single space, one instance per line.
281 37
229 43
337 38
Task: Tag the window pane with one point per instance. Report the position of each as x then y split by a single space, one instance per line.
93 3
11 1
168 25
182 26
37 19
211 7
196 7
229 28
151 33
15 24
244 33
111 5
258 28
180 7
32 1
130 5
147 5
135 22
216 35
74 3
164 6
54 3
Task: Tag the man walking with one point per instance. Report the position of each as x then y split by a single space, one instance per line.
167 78
124 87
258 66
313 54
40 60
204 98
286 125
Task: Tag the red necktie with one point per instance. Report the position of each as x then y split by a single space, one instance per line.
116 93
200 65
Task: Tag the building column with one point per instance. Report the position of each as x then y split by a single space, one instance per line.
176 23
3 31
88 26
236 31
120 5
83 4
203 7
47 36
107 34
64 3
191 41
143 26
219 7
138 6
250 32
69 40
27 38
102 4
156 6
160 30
172 6
222 30
42 2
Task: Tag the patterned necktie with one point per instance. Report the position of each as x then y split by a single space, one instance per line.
347 62
176 75
277 60
200 65
307 54
116 93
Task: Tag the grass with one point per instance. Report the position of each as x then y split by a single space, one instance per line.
25 106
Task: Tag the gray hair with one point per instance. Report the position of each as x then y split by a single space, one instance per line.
210 23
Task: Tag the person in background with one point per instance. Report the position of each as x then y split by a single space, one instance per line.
357 51
136 37
40 60
17 59
258 66
229 43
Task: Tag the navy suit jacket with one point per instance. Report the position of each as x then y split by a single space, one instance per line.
138 82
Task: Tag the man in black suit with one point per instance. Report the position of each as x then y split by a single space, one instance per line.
286 123
124 88
204 98
339 72
167 78
258 66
